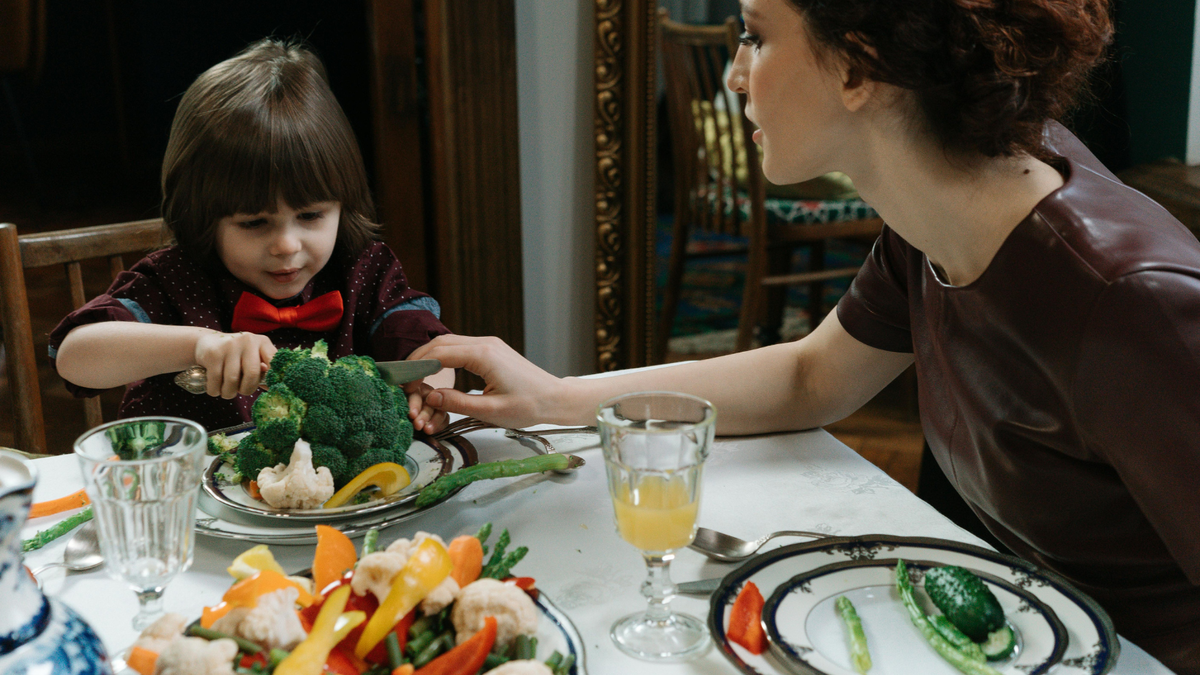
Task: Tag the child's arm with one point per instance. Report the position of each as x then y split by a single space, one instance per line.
114 353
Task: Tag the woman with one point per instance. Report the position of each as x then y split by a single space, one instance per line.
1053 314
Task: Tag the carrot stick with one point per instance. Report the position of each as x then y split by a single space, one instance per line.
466 556
50 507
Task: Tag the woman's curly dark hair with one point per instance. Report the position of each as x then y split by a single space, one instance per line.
987 74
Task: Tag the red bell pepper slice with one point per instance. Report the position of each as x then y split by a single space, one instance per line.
379 654
745 620
527 584
467 658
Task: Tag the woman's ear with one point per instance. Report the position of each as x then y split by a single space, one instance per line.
857 92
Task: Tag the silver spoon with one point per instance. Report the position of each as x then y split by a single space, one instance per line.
83 552
726 548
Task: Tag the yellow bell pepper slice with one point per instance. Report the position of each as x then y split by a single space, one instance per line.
428 566
308 658
388 477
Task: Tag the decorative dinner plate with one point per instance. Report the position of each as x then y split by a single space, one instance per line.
807 636
227 511
555 633
1091 646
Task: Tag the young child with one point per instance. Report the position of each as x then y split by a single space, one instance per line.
266 194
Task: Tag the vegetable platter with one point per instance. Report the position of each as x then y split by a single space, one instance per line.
1057 628
416 606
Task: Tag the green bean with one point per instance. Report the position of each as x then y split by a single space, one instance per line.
440 644
522 651
565 667
532 647
555 659
494 660
395 658
940 644
442 487
419 643
424 624
370 542
860 658
57 530
277 656
244 645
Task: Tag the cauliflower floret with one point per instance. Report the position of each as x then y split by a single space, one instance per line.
440 597
374 573
515 613
405 547
197 656
523 667
296 485
161 633
272 622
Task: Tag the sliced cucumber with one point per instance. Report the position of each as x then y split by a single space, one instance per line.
999 644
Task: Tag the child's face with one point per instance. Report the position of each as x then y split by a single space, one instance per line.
278 253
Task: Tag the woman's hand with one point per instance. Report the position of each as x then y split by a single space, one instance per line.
235 362
518 393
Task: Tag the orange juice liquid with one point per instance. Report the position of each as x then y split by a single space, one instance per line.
658 513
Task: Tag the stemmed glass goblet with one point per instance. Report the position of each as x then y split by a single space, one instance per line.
142 475
655 444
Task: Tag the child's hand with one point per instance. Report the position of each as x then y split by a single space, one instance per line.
235 362
426 418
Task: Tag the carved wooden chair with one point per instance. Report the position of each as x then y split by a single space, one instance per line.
67 248
719 187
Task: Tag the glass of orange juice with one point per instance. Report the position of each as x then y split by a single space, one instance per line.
655 444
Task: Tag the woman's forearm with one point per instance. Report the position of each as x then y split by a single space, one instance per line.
115 353
799 385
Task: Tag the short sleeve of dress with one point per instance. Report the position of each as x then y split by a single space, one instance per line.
402 319
135 295
1138 399
875 310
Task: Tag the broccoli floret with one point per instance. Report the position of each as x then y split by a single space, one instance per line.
354 391
306 378
277 414
131 440
322 425
385 426
372 457
283 359
401 400
221 445
320 350
331 458
357 444
253 457
404 437
358 362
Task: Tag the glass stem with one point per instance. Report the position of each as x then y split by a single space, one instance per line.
658 587
151 607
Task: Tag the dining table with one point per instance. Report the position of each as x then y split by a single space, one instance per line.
752 485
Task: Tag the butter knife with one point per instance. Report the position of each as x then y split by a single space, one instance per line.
396 373
701 587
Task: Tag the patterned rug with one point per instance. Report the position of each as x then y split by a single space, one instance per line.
707 317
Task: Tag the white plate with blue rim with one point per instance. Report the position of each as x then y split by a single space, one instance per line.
806 632
1091 646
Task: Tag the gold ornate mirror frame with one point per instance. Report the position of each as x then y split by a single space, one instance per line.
625 178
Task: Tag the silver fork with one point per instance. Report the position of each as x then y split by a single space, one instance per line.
463 426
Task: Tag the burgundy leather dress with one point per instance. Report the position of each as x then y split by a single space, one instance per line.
1060 392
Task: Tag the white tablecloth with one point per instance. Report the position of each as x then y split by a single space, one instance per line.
752 486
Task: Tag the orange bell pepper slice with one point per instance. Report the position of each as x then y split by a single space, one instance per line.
745 620
335 556
142 660
467 658
246 593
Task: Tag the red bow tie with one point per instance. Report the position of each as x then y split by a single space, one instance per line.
256 315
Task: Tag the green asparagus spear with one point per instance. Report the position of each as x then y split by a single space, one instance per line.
493 660
502 569
443 486
565 667
860 658
57 530
957 638
940 644
497 554
440 644
554 661
244 645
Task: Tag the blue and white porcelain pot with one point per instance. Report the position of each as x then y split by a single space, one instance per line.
38 635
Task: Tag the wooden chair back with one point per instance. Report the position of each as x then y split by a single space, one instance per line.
67 248
703 118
